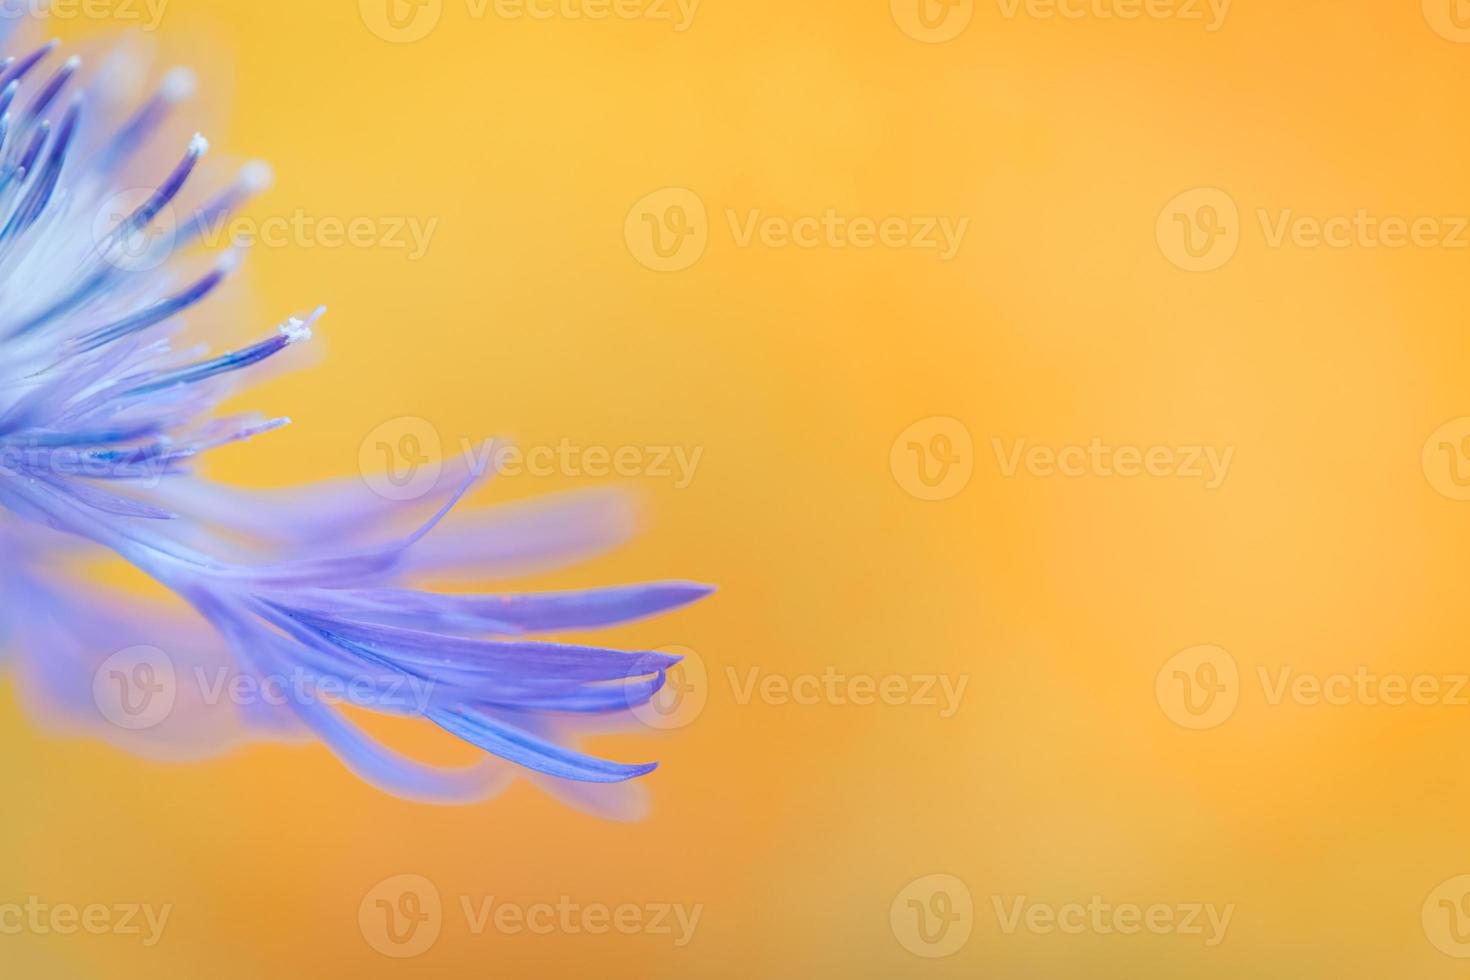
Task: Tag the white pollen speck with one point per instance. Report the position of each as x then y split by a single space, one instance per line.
199 145
256 176
179 84
296 331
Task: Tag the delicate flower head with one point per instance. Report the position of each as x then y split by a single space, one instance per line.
105 409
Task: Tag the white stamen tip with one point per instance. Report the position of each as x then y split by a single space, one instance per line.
256 176
179 84
73 63
296 331
199 145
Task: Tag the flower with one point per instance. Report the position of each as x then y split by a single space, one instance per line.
299 599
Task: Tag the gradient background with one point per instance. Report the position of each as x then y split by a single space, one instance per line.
1061 319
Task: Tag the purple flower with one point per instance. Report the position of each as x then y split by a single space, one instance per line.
292 609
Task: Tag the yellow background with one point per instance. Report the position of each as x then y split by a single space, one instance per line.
1061 320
